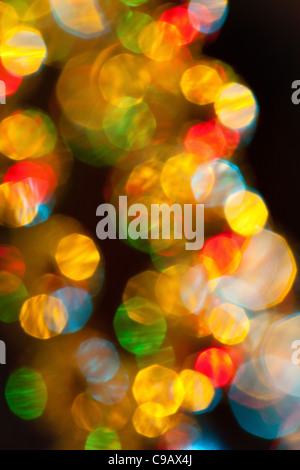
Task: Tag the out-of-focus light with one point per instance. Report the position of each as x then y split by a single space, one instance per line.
26 393
43 316
12 300
77 257
130 27
19 203
159 41
221 255
111 391
280 354
222 141
98 360
11 260
118 91
27 134
134 3
194 288
236 106
246 212
181 18
201 84
140 326
229 323
161 386
227 179
130 127
78 305
216 364
23 51
102 439
208 16
12 82
148 420
90 415
198 389
258 407
179 171
265 274
83 18
41 176
184 434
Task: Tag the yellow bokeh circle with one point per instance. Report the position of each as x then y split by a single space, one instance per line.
199 391
201 84
77 257
160 386
229 323
236 106
246 212
23 51
43 316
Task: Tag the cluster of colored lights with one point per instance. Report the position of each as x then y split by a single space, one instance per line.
127 83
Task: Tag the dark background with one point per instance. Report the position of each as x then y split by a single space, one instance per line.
261 40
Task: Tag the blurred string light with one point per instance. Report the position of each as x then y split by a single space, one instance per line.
128 84
23 51
210 14
85 19
77 257
102 439
12 82
26 393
